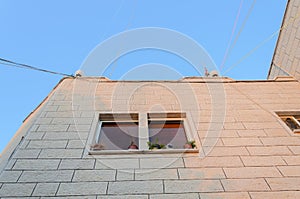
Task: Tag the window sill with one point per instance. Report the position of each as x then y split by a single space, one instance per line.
296 131
133 151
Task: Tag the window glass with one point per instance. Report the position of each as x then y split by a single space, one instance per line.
169 133
290 122
121 131
291 119
297 117
118 135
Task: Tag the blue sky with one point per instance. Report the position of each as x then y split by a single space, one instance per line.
59 35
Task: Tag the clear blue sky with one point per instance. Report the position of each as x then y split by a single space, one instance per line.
59 35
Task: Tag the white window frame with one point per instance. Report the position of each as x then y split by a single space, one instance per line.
182 118
143 133
290 114
115 118
97 139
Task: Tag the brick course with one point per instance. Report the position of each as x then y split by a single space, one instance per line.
253 155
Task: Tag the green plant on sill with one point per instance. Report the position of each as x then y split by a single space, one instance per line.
190 144
155 145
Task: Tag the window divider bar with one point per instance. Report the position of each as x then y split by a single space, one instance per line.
143 131
296 121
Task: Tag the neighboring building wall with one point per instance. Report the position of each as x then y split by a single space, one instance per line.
255 156
286 59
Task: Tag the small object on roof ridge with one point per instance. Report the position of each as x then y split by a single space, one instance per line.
206 72
214 73
79 73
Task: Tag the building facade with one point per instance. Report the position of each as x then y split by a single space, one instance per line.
246 136
286 58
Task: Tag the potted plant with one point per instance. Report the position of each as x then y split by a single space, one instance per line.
155 145
133 145
190 144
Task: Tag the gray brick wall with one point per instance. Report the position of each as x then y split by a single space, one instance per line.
286 59
253 156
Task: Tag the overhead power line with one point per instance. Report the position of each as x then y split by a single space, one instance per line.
238 35
284 26
251 52
19 65
232 33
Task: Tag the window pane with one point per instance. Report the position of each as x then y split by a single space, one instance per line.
118 135
168 133
290 123
297 117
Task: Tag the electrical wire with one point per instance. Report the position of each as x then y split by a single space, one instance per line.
251 52
284 26
238 34
25 66
130 22
231 36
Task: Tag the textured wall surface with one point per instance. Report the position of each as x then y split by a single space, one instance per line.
286 60
254 155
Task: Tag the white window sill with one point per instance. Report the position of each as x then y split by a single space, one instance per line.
133 151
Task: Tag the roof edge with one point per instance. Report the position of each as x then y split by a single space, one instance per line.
193 79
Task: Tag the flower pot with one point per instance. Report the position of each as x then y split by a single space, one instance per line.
133 146
188 146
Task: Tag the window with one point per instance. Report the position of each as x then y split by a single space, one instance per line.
167 131
118 135
140 132
116 132
291 119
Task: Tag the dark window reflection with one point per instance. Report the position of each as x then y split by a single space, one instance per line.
118 135
169 133
290 123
